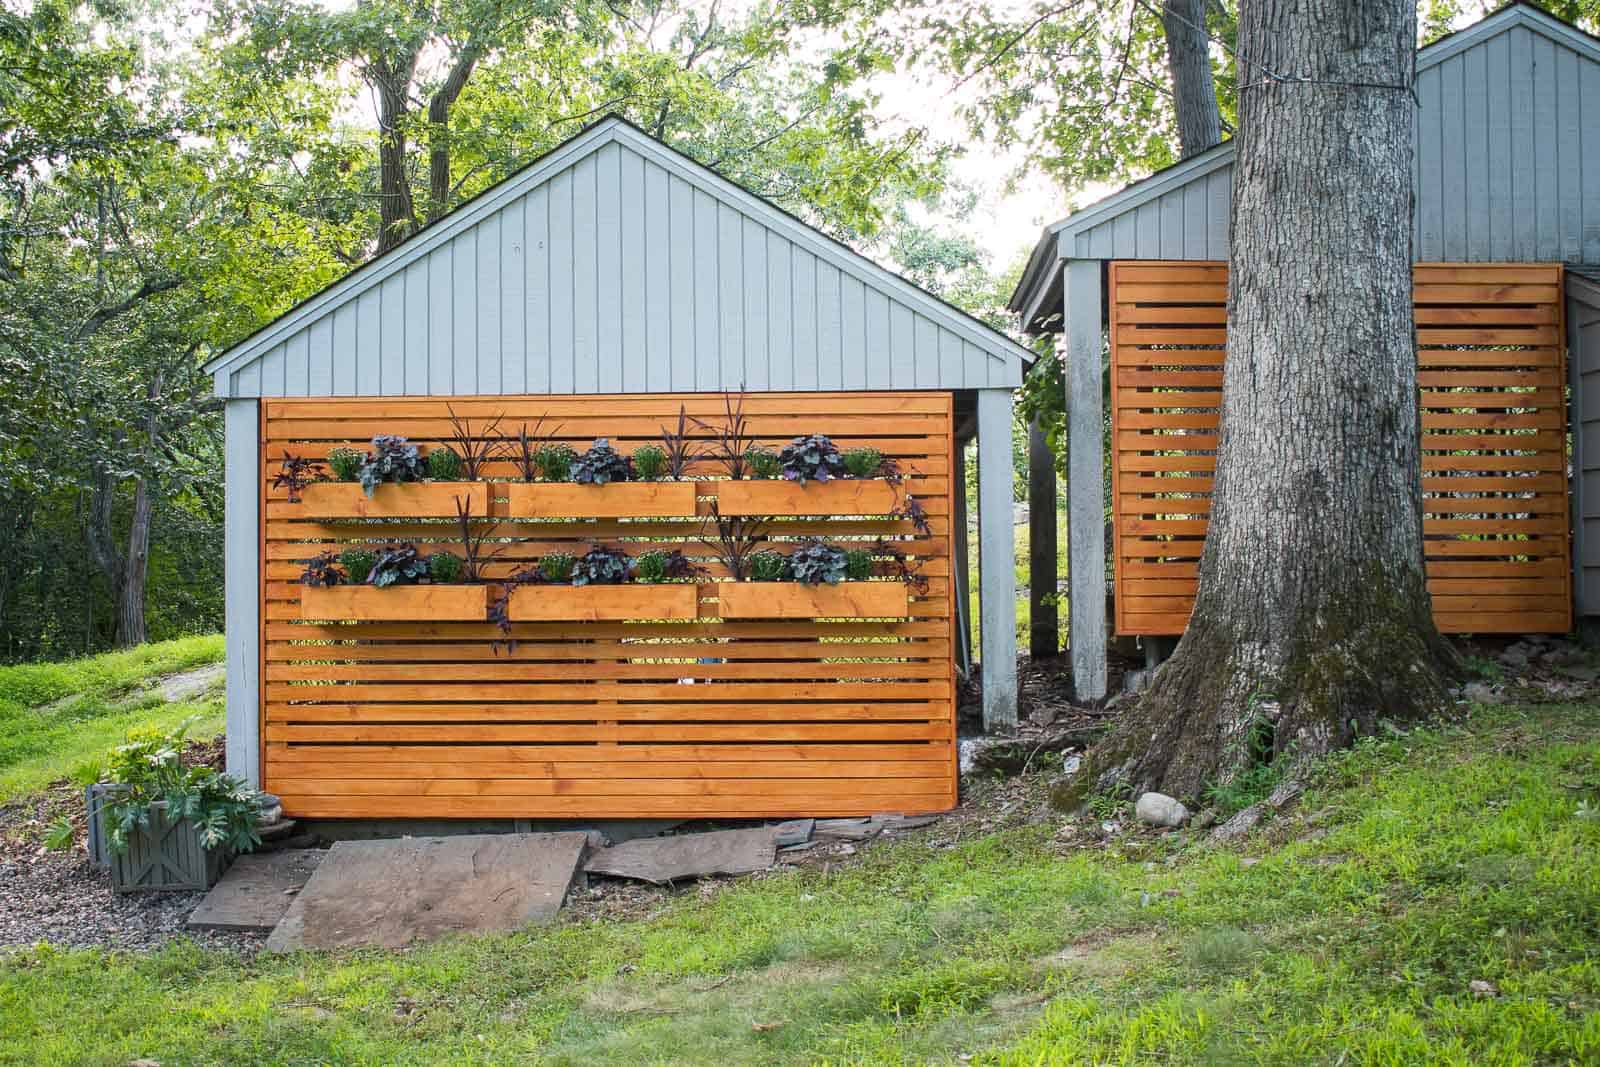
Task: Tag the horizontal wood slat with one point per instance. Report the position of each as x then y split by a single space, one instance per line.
1492 374
615 701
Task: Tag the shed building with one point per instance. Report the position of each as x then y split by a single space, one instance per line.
1506 237
609 288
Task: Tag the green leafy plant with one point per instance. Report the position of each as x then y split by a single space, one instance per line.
443 464
345 463
763 463
323 571
858 564
295 473
444 567
863 462
397 565
601 566
811 459
61 834
557 567
601 465
148 770
555 462
649 463
392 459
358 563
658 566
528 445
814 562
769 566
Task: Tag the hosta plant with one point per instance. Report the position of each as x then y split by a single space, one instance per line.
660 566
392 459
345 463
815 562
769 566
397 565
358 563
325 570
811 459
601 566
601 465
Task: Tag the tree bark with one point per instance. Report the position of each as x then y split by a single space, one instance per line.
1194 91
397 215
439 129
1312 621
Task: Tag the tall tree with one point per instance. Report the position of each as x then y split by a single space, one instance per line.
1312 622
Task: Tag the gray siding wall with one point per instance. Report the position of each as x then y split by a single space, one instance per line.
619 275
1507 167
1583 363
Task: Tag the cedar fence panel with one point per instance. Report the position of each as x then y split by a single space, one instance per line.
1492 378
700 717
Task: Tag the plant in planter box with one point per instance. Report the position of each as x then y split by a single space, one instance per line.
444 567
601 566
733 438
601 465
325 570
816 562
357 564
529 446
763 463
863 462
649 463
557 567
680 447
769 566
660 566
397 565
295 473
392 459
811 459
345 463
733 539
555 462
151 798
443 464
858 565
474 449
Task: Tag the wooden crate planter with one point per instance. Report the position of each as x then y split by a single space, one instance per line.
392 500
621 500
397 603
167 857
852 496
792 600
604 603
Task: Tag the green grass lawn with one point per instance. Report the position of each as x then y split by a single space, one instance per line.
1351 931
57 717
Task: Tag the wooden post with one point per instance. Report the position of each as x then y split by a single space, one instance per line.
242 588
1086 536
997 564
1044 630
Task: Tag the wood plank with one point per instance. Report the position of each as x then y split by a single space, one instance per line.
634 600
793 600
467 602
544 500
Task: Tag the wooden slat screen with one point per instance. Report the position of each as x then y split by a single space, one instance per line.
1492 378
595 719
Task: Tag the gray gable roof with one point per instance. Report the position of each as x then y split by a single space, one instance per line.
1507 166
615 264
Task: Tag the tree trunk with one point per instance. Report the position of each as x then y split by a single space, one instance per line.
1194 91
1312 621
396 213
439 129
131 629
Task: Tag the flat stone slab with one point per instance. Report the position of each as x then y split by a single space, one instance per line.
255 891
680 857
394 893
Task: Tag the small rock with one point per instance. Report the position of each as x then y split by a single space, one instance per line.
1479 693
1071 763
1158 809
1516 655
1205 819
1482 989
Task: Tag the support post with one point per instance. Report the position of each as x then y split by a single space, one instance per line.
1044 630
997 563
963 568
242 591
1086 537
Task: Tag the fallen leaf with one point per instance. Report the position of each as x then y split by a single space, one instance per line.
762 1028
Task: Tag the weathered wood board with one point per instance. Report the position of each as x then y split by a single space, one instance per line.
256 891
677 857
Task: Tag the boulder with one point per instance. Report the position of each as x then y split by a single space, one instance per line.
1158 809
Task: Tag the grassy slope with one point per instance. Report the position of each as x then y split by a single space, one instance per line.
1437 860
55 717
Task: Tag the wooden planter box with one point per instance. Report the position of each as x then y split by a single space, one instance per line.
604 603
392 500
847 496
792 600
620 500
168 857
398 603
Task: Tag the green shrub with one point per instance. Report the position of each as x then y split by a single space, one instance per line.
863 462
555 462
658 566
763 463
357 563
769 567
649 463
444 566
147 769
345 463
443 464
858 565
557 567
